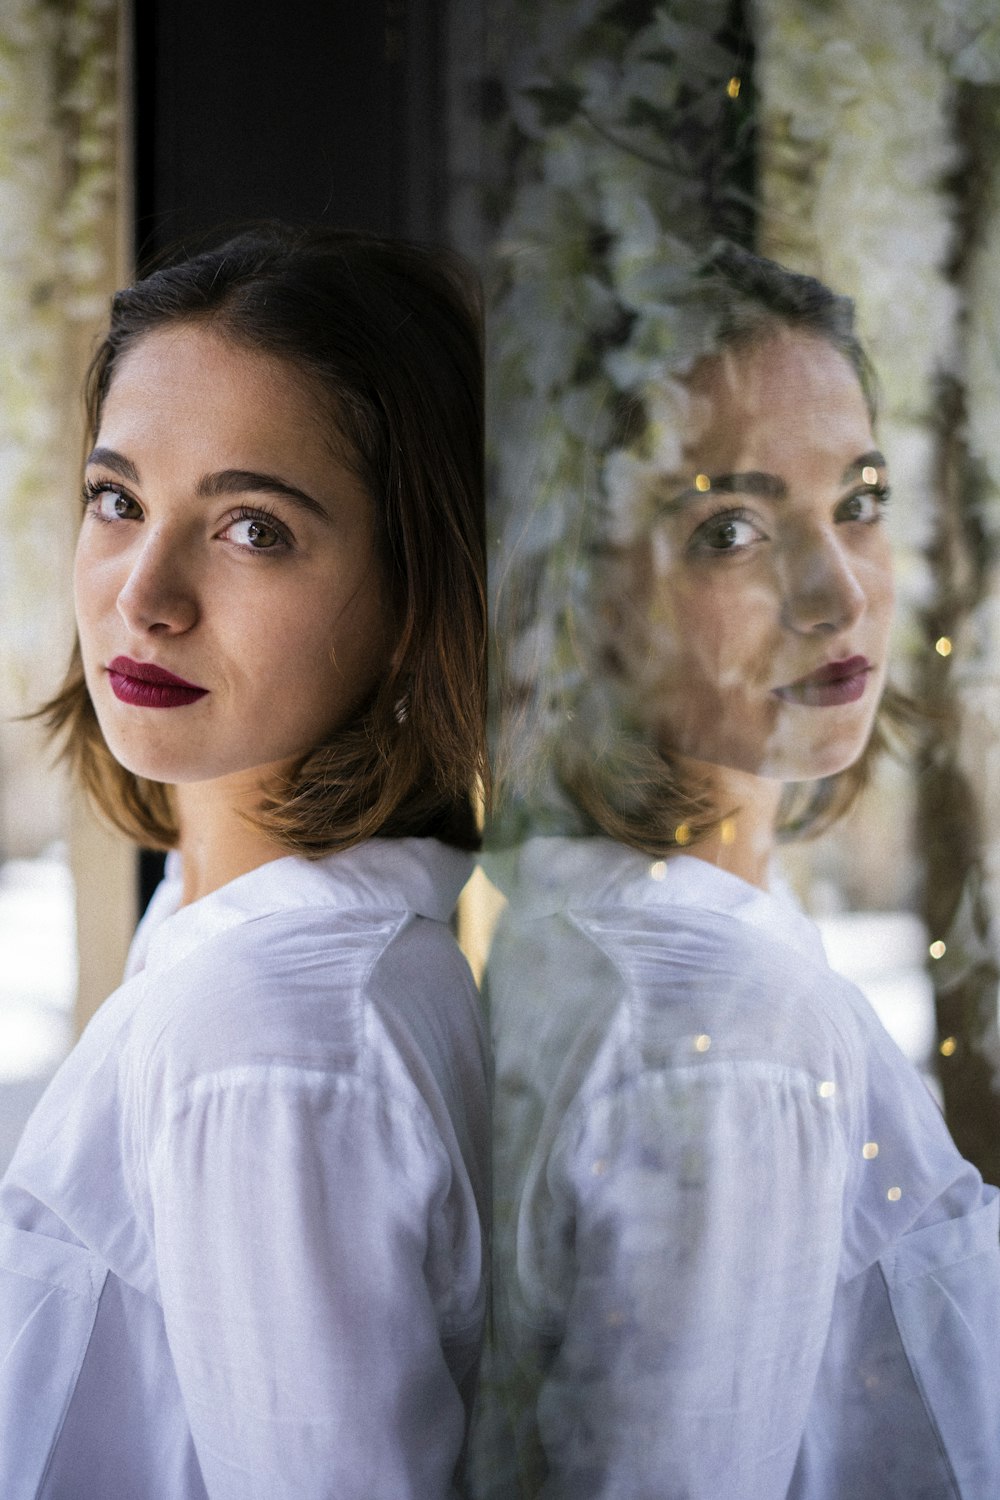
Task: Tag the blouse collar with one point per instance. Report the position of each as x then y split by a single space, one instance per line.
549 875
418 875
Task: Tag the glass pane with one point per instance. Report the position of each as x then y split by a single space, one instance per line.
691 449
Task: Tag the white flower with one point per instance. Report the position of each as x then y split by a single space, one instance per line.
56 190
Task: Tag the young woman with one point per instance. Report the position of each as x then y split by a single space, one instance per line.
241 1243
737 1253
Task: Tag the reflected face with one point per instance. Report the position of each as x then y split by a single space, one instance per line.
762 592
231 608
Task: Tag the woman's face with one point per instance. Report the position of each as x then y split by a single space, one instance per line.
761 594
226 545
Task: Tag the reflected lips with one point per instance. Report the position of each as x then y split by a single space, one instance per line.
146 686
838 682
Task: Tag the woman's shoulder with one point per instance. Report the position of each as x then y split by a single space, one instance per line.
675 953
296 964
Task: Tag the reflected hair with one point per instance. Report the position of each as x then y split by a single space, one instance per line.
753 296
388 335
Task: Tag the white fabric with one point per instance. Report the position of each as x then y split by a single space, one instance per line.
737 1256
241 1252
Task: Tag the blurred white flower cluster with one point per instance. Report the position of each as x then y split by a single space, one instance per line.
880 152
618 140
58 146
859 146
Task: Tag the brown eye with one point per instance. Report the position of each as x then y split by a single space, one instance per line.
729 532
866 506
261 536
108 503
724 536
254 533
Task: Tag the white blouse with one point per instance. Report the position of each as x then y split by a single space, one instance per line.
241 1240
737 1255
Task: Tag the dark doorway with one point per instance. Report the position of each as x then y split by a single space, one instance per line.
305 110
322 111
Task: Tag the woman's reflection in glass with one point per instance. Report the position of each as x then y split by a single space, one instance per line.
737 1252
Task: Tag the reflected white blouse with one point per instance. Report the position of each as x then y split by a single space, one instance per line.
737 1255
241 1243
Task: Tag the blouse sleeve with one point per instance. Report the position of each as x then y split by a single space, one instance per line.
688 1249
292 1214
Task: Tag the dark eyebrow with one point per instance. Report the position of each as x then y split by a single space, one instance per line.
767 486
109 459
872 460
754 482
248 481
226 482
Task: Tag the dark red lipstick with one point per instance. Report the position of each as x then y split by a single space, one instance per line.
835 683
146 686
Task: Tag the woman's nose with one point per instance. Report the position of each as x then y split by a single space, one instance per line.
822 591
157 594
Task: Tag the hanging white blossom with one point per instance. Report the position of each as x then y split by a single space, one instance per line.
58 122
607 213
58 150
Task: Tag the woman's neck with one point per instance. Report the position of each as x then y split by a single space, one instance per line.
218 842
743 844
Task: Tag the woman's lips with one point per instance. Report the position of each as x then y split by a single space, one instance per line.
837 682
146 686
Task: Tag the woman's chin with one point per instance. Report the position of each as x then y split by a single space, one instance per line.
832 746
824 762
149 768
157 763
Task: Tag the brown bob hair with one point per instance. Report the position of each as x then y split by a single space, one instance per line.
389 335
